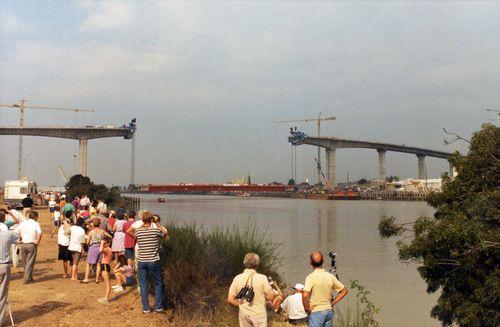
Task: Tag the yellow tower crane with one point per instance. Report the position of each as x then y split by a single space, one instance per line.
21 106
318 124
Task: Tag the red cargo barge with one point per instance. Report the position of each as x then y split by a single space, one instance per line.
217 188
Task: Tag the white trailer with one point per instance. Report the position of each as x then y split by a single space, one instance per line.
16 190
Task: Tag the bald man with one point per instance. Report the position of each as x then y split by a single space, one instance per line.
318 293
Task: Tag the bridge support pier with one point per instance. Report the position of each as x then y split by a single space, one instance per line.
421 166
330 166
382 172
83 156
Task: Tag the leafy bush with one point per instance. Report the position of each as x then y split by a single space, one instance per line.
458 250
364 313
79 185
199 265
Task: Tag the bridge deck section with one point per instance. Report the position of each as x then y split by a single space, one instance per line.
336 143
76 133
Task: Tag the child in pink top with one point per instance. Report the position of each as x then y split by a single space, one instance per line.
105 269
124 274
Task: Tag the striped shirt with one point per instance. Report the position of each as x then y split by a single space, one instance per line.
148 244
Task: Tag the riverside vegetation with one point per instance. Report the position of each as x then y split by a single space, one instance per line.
199 265
459 248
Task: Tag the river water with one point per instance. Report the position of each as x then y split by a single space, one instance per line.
347 227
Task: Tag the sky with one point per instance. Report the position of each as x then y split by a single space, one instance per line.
206 81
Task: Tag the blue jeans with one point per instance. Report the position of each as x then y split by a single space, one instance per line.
153 270
320 319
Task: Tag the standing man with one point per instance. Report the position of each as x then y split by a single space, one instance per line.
294 308
27 204
30 235
102 207
84 201
148 260
7 238
252 311
318 292
68 207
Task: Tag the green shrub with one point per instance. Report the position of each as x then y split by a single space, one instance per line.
364 313
199 264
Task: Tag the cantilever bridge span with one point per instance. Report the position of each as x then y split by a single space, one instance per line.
82 134
332 143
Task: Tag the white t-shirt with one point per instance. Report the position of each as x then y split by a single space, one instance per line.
52 203
138 224
85 201
103 208
294 307
57 215
62 237
4 227
76 238
28 230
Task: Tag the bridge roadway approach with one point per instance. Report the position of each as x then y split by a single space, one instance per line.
82 134
332 143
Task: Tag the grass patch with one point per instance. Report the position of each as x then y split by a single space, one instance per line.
199 265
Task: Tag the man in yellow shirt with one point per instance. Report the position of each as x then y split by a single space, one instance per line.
318 293
252 310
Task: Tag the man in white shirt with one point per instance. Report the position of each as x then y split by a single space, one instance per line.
294 307
30 235
63 243
102 207
84 201
76 241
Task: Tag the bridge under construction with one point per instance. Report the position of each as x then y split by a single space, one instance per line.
330 144
82 134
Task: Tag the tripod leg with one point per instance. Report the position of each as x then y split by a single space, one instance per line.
10 315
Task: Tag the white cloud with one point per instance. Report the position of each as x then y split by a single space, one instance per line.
11 23
107 14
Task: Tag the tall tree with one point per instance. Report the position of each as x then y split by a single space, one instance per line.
458 250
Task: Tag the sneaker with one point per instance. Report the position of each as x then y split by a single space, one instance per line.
159 310
103 301
146 311
115 286
118 289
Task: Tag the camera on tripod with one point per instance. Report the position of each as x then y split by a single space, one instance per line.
333 266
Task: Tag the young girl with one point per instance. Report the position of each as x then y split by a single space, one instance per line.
95 236
105 269
124 274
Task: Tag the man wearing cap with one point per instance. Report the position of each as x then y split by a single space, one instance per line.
318 293
294 308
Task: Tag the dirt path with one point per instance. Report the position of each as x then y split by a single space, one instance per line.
54 301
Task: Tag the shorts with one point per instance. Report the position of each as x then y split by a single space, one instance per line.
129 253
56 223
52 209
76 257
129 280
105 267
64 254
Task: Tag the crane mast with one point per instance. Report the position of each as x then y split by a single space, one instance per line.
21 105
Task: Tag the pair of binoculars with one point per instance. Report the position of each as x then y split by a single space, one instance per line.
246 293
